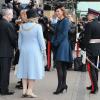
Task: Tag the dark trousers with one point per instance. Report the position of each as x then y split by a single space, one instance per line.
48 52
93 73
5 64
16 58
61 73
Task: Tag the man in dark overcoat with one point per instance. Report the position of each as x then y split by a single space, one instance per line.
7 44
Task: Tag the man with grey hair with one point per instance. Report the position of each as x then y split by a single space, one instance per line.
8 42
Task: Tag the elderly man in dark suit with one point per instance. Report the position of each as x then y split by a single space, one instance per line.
7 44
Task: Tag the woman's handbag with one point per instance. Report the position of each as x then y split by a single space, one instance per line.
77 64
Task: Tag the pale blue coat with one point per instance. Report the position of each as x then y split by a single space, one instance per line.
31 45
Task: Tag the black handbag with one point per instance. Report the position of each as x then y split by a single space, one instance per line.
78 64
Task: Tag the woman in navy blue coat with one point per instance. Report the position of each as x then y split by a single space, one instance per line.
62 48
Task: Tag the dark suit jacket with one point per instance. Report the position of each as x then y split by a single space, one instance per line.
8 39
92 31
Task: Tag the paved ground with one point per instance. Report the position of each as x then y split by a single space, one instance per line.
77 82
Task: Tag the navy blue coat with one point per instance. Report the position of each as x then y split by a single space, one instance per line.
61 43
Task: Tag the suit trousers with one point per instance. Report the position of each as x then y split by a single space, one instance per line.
94 72
5 64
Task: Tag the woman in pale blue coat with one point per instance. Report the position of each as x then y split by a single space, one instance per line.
32 50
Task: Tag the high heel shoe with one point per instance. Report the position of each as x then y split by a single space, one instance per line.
57 92
60 90
64 88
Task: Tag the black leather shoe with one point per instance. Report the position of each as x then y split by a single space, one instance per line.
89 87
24 95
19 82
7 93
46 68
19 86
94 92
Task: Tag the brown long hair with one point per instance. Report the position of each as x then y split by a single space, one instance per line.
65 11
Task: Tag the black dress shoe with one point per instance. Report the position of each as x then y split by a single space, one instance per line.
19 82
89 87
46 68
94 92
24 95
19 86
7 93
